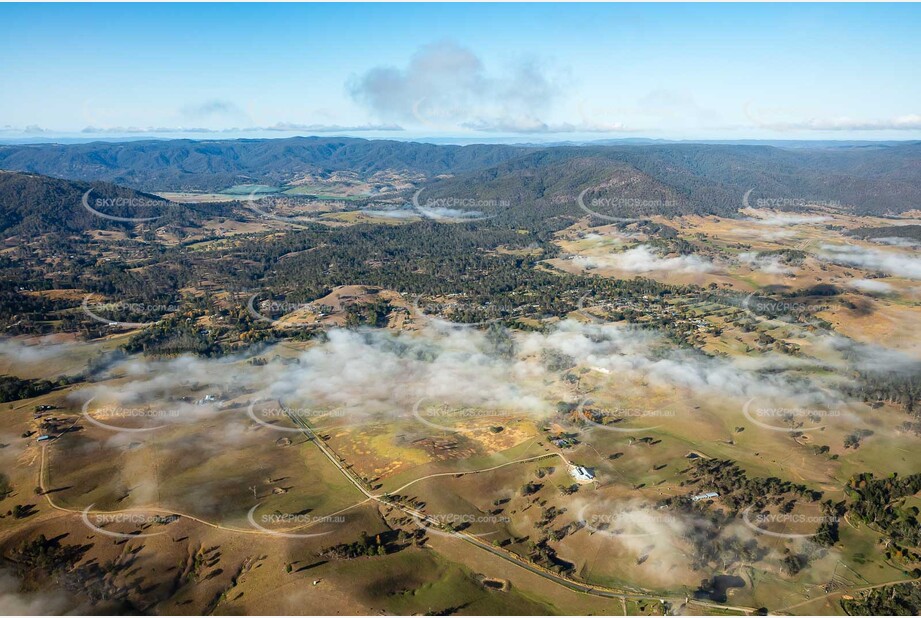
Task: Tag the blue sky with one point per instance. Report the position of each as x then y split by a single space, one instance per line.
535 72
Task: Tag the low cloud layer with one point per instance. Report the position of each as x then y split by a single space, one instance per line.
898 264
899 241
873 358
770 264
907 122
16 603
34 353
644 259
378 372
871 286
765 217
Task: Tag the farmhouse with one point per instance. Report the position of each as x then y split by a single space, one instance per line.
581 474
706 496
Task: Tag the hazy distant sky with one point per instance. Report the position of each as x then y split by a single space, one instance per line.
543 71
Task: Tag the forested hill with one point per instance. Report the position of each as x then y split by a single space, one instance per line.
189 165
31 204
677 179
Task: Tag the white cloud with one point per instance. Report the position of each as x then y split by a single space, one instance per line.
873 358
215 108
770 264
390 214
898 241
31 354
447 85
533 125
644 259
326 128
871 286
16 603
897 264
379 372
766 217
289 127
143 130
775 235
908 122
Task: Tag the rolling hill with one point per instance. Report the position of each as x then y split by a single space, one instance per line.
31 204
693 178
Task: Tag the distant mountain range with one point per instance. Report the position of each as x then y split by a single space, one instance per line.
694 178
632 179
188 165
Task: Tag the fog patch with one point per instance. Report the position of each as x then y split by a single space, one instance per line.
773 235
770 264
872 358
19 351
390 214
898 241
871 286
644 259
766 217
13 602
375 372
896 264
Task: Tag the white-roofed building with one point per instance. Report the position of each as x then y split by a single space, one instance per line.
581 474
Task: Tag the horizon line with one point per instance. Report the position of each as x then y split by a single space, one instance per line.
64 140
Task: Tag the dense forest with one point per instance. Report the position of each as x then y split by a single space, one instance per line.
908 232
190 165
34 205
879 502
896 600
